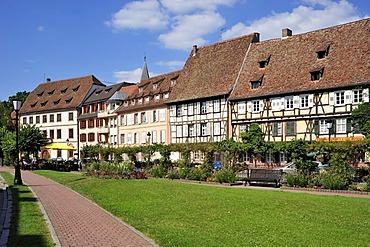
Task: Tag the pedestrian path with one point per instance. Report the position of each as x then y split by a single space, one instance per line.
77 221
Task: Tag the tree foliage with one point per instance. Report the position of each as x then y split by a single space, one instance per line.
361 118
253 141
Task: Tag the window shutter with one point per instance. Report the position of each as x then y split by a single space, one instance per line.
197 132
310 100
282 103
348 97
331 98
241 107
208 129
365 94
261 105
185 130
209 106
154 136
249 105
316 127
139 118
349 125
198 108
296 100
334 127
275 129
124 120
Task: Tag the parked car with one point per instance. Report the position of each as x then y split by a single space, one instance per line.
290 167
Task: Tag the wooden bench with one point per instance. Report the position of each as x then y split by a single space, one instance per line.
263 176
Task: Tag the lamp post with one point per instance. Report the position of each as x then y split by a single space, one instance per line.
329 126
17 176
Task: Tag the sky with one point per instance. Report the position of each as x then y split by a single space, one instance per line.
62 39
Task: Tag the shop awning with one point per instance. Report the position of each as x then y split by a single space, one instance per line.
60 146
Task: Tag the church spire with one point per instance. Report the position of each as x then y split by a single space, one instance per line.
144 73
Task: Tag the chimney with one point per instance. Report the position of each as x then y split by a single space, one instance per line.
286 32
48 79
195 49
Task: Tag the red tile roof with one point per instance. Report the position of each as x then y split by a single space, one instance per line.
147 88
212 71
292 59
59 95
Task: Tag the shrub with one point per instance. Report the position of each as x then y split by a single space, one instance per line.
157 171
225 176
296 179
196 174
173 174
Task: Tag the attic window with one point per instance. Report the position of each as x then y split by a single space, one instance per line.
173 82
51 92
147 99
323 53
69 99
155 86
264 63
317 74
257 83
125 103
76 88
44 103
98 92
157 97
140 101
33 105
133 102
56 102
140 89
63 91
40 94
107 90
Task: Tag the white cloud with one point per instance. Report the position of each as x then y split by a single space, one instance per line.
40 28
185 6
130 75
146 14
189 30
171 64
310 15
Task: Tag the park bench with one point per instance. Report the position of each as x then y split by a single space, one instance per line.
261 176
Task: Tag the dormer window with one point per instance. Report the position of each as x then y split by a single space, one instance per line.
56 101
323 53
147 99
40 94
155 86
264 63
33 105
166 95
107 90
140 101
51 92
63 91
173 82
76 88
157 97
317 74
141 89
256 83
133 102
44 103
125 103
69 100
98 92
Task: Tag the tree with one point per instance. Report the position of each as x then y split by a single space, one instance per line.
254 141
6 108
361 118
232 150
31 139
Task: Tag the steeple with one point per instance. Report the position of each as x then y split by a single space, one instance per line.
144 73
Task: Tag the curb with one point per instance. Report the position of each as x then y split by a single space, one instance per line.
6 213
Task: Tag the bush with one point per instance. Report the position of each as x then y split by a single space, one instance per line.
157 171
173 174
296 179
196 174
225 176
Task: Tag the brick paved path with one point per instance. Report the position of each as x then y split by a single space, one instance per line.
79 222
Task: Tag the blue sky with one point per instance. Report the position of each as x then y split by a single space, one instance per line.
62 39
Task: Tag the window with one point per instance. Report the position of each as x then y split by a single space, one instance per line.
289 102
70 133
51 134
59 117
162 136
191 130
143 137
341 125
51 118
83 137
136 118
339 98
123 120
59 153
190 109
31 120
136 139
37 119
241 107
245 157
179 111
323 125
129 138
143 117
203 107
263 64
162 115
256 106
59 134
317 74
278 129
357 96
24 120
277 104
44 118
203 129
70 116
155 117
217 128
290 128
243 128
178 131
269 158
91 137
283 157
321 54
255 84
83 124
196 155
123 139
217 105
304 101
91 123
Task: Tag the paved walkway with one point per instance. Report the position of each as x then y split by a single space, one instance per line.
77 221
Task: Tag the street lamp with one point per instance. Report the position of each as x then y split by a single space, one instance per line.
329 125
17 103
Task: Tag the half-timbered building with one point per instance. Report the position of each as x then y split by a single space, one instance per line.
304 86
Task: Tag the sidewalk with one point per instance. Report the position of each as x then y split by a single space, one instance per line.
76 221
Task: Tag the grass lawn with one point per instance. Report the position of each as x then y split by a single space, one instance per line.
28 226
181 214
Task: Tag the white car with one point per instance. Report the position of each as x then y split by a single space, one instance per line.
290 167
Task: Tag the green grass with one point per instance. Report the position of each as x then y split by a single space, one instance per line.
181 214
28 226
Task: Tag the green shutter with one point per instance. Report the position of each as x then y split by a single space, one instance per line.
316 127
275 129
290 130
334 127
349 125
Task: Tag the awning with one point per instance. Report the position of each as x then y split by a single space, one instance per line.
60 146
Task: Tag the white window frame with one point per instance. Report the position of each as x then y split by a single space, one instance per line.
357 96
323 127
203 108
304 101
256 106
217 105
190 109
204 129
283 157
241 107
341 125
339 98
154 136
191 130
162 115
179 131
289 102
269 158
217 128
163 136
